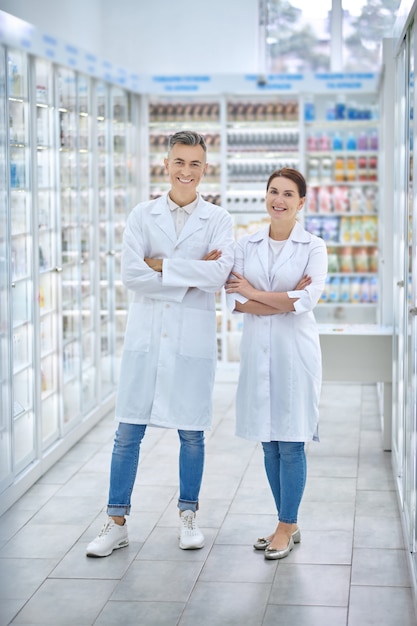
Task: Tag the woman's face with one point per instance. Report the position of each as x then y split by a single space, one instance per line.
283 201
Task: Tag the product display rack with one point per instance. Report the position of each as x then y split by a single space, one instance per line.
247 137
263 134
205 116
334 145
341 164
69 182
166 117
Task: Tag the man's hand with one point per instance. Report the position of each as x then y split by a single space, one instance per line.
213 255
154 264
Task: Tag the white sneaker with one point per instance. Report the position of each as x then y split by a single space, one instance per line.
111 537
191 537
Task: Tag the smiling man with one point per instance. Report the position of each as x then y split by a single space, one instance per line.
177 252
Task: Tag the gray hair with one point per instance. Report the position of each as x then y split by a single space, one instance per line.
188 138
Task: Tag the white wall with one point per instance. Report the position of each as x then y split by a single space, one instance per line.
154 36
75 21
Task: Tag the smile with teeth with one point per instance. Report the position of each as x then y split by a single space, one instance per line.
279 208
185 181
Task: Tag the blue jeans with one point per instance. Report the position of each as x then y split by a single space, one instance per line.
286 470
125 460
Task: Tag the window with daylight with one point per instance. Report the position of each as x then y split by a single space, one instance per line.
326 35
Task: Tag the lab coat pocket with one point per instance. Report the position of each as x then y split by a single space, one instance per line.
196 250
198 334
139 327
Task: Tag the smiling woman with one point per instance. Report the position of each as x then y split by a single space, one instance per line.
285 196
277 279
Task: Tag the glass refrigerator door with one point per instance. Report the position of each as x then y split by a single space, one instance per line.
405 302
70 244
87 233
409 312
45 199
123 201
401 157
5 399
105 236
21 260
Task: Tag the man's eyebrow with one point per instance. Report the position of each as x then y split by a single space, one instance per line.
183 160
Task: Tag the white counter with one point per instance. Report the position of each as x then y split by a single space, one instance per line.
360 353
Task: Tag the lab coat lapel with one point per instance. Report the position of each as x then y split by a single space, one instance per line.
261 240
286 253
163 218
297 235
195 222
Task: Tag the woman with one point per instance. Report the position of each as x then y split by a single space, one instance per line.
280 369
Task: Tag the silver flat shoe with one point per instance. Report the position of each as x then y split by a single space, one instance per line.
271 554
262 543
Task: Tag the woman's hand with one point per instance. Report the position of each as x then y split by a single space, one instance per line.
303 283
236 283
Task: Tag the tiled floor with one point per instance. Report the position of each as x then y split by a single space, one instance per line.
349 570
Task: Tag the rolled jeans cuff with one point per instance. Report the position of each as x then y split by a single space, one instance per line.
187 505
118 510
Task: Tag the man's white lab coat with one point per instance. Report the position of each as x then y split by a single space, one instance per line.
170 349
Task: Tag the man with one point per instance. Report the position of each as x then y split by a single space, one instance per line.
177 252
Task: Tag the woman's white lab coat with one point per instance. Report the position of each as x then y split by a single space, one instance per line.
170 348
280 357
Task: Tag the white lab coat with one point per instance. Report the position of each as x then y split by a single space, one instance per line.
280 358
170 348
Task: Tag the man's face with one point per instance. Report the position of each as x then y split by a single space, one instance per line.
185 165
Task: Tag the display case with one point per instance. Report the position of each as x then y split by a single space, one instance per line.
263 134
169 115
5 280
341 167
205 116
68 178
45 241
77 244
247 137
404 446
22 268
333 141
118 194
